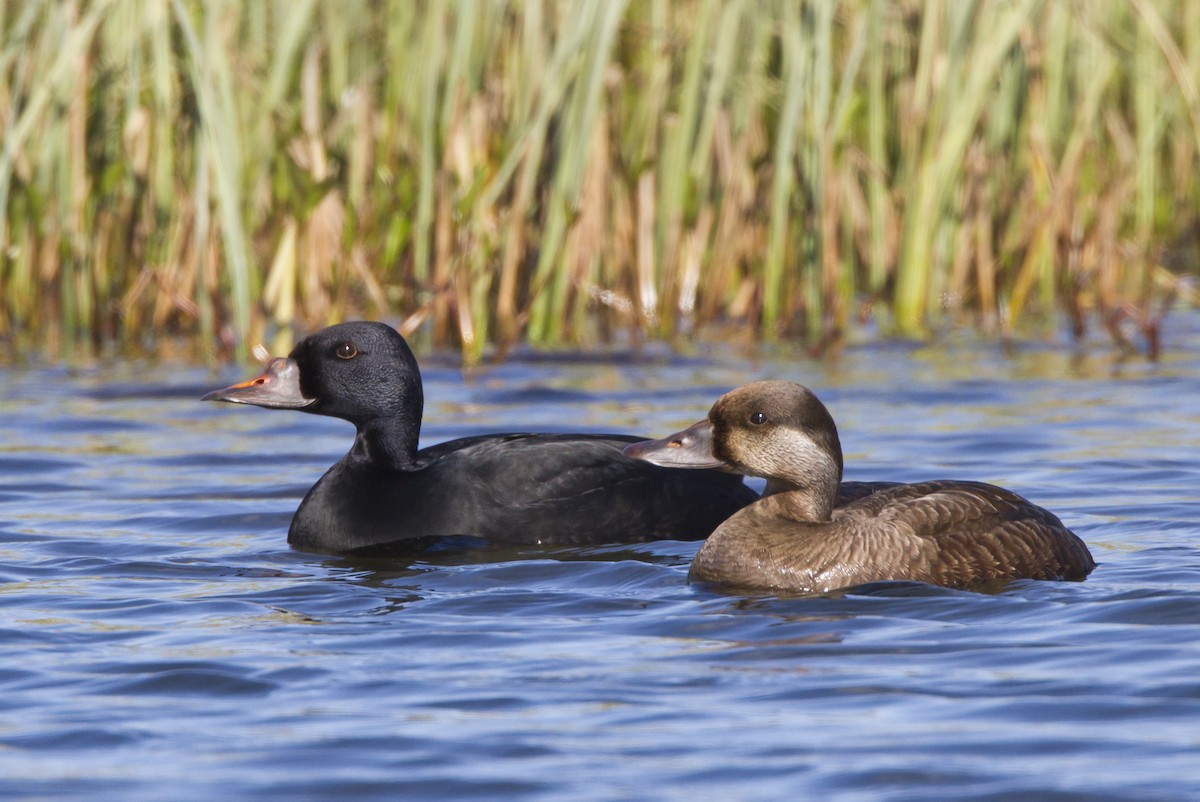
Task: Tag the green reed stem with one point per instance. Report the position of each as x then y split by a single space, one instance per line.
526 170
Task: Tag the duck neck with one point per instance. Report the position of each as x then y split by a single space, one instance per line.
388 443
801 504
809 496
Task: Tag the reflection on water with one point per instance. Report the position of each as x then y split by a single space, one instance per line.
163 642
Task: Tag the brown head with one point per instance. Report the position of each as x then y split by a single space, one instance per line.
780 431
777 430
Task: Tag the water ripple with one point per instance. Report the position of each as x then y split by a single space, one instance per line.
162 642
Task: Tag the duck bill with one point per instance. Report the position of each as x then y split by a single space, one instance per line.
691 448
277 387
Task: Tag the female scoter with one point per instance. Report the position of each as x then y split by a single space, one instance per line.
796 538
386 495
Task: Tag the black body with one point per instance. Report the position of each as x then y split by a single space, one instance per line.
386 495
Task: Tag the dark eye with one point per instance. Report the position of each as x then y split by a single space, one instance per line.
346 351
758 418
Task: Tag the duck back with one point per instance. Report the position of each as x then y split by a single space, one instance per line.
951 533
517 488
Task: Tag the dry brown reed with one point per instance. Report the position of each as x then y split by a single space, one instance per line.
552 172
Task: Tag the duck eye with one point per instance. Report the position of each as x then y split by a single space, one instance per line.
758 418
346 351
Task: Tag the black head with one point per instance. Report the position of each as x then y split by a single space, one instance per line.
359 371
362 372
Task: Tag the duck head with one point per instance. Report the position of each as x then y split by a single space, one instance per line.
776 430
360 371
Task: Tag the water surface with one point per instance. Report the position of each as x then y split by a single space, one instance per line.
162 642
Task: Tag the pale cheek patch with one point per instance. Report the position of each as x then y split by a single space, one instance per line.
791 454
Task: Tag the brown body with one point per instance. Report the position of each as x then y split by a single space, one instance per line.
943 532
802 537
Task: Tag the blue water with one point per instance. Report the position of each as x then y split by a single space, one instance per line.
161 641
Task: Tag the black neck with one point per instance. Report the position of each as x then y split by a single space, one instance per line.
389 443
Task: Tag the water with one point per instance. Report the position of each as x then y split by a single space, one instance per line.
161 641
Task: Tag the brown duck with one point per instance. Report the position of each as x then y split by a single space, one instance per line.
802 536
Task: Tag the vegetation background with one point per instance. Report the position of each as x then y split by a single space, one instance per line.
554 172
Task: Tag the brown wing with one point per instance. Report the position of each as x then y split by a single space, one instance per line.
944 532
958 533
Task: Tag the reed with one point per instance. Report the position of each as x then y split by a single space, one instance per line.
553 172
